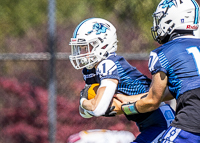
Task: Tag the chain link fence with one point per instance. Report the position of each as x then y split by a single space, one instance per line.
24 99
24 80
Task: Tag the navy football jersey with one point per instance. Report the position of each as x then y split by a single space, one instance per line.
179 59
131 81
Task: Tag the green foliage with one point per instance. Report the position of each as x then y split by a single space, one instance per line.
130 15
19 15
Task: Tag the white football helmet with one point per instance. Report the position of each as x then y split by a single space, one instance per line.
92 41
197 33
174 15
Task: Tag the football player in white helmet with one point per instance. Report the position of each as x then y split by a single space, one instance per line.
176 64
93 49
90 46
174 18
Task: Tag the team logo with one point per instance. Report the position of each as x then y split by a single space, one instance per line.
98 28
192 27
168 3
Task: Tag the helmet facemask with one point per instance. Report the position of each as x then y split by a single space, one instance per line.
82 54
160 35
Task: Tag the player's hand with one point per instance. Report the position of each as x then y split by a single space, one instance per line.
121 97
84 94
125 99
110 112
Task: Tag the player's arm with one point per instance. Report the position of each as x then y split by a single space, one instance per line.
117 104
114 103
155 96
99 105
133 98
142 103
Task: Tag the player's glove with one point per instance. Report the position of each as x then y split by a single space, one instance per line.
110 112
84 91
129 108
84 94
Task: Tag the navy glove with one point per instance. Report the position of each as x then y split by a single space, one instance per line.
110 112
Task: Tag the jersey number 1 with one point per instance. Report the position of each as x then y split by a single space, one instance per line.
196 55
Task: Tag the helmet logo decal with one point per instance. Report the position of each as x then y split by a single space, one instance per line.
168 3
192 27
98 28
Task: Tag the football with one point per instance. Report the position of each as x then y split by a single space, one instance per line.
92 91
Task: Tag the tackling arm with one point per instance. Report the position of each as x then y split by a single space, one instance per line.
133 98
156 94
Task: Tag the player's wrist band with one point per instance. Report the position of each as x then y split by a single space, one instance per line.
129 108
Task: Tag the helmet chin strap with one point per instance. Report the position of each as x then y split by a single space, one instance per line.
165 40
90 67
97 62
174 35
